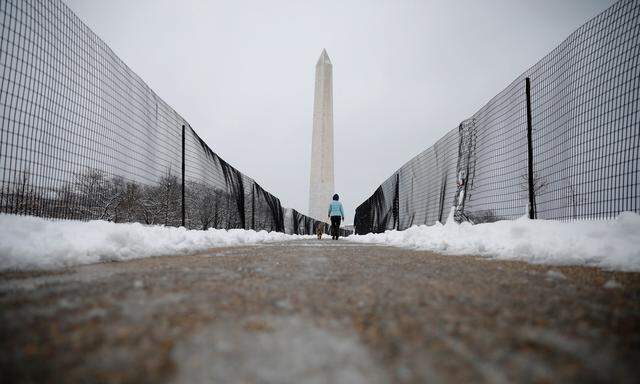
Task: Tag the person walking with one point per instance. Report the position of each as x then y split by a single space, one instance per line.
336 213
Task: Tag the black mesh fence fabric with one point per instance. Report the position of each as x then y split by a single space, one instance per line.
301 224
83 137
585 120
429 178
380 211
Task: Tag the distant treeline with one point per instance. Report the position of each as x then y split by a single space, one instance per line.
95 195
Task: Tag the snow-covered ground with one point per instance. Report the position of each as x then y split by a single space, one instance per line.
609 244
34 243
28 242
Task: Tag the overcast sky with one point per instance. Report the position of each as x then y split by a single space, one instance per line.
404 73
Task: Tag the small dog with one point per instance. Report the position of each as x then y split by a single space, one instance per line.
320 230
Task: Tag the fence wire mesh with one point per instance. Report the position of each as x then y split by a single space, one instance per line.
585 118
83 137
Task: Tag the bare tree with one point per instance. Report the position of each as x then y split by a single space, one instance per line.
205 205
161 202
95 195
24 199
129 205
540 184
575 199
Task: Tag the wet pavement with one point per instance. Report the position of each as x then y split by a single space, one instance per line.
319 312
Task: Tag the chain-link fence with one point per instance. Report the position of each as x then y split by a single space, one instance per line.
83 137
582 157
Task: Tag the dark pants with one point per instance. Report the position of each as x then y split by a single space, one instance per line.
335 227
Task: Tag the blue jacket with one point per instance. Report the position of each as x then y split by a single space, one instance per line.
335 209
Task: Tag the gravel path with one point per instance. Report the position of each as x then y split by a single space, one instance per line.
319 312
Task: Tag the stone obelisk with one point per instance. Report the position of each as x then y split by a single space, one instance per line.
321 185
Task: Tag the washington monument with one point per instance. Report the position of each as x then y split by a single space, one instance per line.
321 184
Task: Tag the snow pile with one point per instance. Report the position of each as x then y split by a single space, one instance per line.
611 244
28 242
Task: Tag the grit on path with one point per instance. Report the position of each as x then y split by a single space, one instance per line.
319 312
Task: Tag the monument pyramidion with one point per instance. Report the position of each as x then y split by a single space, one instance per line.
322 181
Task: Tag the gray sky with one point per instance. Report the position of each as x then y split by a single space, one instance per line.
405 72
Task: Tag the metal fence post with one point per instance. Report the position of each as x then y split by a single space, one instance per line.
183 161
253 206
532 196
396 204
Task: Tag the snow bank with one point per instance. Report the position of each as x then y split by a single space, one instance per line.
28 242
611 244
